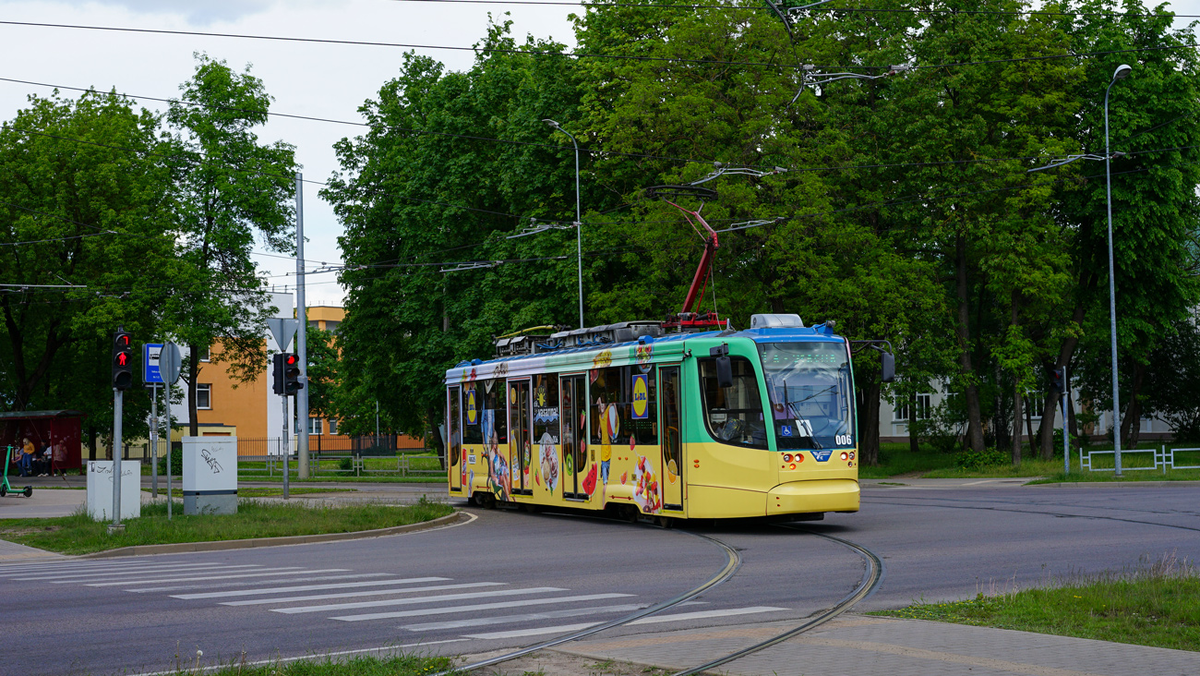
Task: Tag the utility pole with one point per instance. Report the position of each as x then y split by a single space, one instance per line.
301 334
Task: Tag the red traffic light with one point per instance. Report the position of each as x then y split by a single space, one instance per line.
122 359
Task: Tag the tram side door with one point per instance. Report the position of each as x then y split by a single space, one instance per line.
574 436
453 437
672 437
520 448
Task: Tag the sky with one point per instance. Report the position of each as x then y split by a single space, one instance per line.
318 80
327 81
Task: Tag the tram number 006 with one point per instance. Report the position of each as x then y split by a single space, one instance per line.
843 440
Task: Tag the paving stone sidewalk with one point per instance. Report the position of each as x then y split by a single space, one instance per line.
861 645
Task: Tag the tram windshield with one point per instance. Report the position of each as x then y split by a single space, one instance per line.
811 394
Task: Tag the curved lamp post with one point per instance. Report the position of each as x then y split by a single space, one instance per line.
578 217
1121 73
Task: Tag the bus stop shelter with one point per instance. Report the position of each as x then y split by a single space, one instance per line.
60 431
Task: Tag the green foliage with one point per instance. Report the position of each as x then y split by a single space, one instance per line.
176 463
228 188
903 207
975 460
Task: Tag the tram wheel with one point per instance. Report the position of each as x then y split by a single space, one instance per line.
665 522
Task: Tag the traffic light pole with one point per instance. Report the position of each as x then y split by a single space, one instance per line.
283 441
118 404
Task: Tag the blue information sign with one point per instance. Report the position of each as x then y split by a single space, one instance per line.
150 354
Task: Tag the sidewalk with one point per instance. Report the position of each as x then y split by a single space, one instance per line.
880 646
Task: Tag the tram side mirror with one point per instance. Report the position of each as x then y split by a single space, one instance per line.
887 366
724 367
724 372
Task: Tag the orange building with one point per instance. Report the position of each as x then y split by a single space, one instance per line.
252 411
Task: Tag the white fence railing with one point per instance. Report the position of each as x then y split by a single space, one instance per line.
1135 459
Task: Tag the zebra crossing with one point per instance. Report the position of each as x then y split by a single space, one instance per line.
485 609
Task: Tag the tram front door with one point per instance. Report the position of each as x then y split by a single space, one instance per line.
520 450
453 438
672 440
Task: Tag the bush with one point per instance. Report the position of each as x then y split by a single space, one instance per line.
176 463
972 461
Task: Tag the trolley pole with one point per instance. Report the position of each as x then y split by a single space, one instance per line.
118 404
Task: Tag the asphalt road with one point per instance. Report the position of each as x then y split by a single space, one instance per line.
511 578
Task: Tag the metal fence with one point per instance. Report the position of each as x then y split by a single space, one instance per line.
1138 459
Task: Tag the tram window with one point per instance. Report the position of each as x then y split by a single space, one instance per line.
610 405
645 428
545 410
472 414
733 415
495 413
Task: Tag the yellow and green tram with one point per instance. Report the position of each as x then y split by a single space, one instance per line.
630 419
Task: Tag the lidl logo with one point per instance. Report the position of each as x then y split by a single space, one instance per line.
472 408
641 397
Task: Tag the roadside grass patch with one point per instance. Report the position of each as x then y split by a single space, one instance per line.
395 665
79 534
1155 604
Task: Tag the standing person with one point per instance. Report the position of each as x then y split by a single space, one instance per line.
26 462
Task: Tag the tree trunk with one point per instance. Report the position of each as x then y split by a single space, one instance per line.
193 372
1029 427
1051 405
914 442
1131 426
91 435
1016 425
1073 424
966 369
868 423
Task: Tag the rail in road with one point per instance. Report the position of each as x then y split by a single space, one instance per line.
872 577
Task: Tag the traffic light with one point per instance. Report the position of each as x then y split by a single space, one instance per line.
291 374
277 372
1057 384
122 359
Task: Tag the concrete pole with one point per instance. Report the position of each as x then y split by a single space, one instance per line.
301 335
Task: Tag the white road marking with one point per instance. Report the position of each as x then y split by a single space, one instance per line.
527 617
369 592
653 619
290 570
482 606
419 599
127 570
307 587
210 585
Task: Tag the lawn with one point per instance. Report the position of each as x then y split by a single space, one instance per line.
79 534
1156 605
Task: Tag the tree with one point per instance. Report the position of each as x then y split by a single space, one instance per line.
229 187
321 372
84 214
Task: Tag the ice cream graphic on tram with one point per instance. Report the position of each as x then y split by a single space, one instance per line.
682 419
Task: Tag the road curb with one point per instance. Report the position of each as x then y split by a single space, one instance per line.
179 547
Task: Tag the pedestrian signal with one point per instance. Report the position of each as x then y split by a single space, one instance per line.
122 359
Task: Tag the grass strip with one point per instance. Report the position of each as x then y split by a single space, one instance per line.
1156 605
79 534
395 665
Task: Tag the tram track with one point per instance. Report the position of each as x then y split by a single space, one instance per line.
872 576
1023 509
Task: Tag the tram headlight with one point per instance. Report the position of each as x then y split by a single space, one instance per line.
787 457
845 455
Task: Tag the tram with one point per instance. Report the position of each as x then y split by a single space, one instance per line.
634 419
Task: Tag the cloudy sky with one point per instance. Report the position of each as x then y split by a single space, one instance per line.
320 80
327 81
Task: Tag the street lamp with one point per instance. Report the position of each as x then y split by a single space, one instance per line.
1121 73
578 216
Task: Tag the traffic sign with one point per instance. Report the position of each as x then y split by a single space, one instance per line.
150 369
168 363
